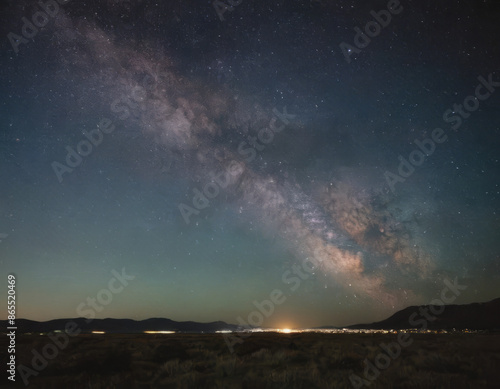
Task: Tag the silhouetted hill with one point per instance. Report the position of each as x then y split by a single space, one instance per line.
120 325
476 316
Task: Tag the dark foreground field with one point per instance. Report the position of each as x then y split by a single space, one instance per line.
263 360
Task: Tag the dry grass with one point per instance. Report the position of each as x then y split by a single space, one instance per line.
264 360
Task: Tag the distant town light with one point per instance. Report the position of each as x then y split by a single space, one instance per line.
159 332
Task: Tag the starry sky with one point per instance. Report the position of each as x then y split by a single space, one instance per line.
216 154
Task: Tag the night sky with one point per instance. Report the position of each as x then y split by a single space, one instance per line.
217 155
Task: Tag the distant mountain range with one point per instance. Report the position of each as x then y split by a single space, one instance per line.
120 325
476 316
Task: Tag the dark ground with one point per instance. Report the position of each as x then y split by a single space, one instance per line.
263 360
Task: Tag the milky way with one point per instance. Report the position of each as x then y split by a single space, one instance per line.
336 227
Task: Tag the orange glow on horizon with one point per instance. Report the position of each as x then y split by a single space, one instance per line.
159 332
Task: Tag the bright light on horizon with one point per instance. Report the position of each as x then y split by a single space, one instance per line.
159 332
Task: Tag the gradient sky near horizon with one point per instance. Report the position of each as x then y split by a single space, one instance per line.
291 143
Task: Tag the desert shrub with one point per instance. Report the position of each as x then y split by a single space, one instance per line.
112 361
442 364
225 366
164 352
